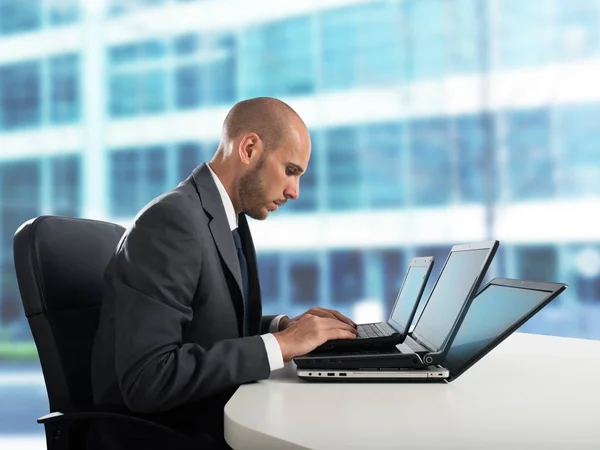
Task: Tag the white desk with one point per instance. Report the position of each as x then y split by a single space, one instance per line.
531 392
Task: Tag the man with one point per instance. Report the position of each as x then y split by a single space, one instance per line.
181 325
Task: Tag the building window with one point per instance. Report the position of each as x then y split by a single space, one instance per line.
280 58
537 263
66 182
20 99
63 12
19 16
578 168
64 88
431 170
137 81
383 151
347 277
124 180
530 166
525 33
343 169
304 279
206 70
472 139
137 176
361 45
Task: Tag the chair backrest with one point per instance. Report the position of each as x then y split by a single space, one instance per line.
60 264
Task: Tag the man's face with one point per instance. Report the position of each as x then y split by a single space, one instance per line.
275 177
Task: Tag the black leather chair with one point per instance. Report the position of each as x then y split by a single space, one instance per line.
60 263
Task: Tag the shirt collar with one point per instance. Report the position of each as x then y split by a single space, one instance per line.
229 211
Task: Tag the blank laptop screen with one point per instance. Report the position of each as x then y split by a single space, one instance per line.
407 297
495 309
449 295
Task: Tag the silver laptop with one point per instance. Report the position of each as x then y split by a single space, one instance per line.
499 309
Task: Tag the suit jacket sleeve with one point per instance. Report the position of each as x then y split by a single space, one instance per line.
154 277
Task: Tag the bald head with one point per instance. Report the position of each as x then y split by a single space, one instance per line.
268 117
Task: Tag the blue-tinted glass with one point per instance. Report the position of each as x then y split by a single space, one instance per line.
153 91
472 138
20 99
62 12
64 88
343 169
430 173
308 185
153 49
125 171
393 264
346 272
525 33
383 150
189 155
156 173
449 296
220 68
379 54
280 58
530 163
529 263
188 86
186 44
339 46
124 96
268 269
18 16
578 28
124 53
408 296
467 34
494 310
427 37
579 137
66 181
20 198
304 280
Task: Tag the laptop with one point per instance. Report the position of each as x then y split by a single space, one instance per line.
501 307
428 342
395 330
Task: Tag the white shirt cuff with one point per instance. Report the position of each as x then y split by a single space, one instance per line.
274 325
273 351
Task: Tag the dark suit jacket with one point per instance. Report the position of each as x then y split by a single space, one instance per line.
168 342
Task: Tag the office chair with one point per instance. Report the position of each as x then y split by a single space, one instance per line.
60 263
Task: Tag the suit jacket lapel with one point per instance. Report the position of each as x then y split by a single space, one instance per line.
218 224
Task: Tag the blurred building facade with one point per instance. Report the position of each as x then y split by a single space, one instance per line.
434 122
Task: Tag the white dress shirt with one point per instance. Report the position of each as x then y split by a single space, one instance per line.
272 346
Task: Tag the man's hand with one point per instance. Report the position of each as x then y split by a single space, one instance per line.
306 332
319 312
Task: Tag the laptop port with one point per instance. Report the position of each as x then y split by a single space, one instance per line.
330 374
342 374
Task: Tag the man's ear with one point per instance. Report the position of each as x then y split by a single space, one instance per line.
250 148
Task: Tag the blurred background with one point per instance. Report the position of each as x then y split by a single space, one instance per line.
433 122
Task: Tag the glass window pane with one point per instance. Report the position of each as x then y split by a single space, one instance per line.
530 163
430 173
64 88
20 96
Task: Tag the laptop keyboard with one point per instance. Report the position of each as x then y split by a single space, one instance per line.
371 330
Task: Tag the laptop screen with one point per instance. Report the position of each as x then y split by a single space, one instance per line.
495 310
451 291
407 297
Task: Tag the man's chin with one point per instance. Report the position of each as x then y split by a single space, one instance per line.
261 214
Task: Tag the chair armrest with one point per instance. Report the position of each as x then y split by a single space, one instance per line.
99 413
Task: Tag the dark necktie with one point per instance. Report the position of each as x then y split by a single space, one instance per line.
244 270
